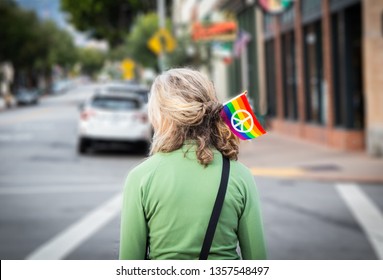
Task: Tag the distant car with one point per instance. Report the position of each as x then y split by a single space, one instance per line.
26 96
61 86
114 117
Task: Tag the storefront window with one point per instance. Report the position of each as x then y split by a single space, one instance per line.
311 10
315 99
347 65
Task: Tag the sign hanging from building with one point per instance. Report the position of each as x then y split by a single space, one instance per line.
222 31
275 7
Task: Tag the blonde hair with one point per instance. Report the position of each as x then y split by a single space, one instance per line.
183 106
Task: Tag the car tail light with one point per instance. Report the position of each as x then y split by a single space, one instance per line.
143 117
87 114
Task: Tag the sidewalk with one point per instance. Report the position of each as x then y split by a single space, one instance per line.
276 155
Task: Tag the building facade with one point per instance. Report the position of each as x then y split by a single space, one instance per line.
314 72
324 72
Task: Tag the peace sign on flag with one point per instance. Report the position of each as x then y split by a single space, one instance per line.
240 118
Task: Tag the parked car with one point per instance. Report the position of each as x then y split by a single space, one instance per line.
114 117
25 96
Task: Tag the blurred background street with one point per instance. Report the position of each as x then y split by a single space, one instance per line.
47 188
74 83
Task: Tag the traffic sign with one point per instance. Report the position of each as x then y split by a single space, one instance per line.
161 41
127 67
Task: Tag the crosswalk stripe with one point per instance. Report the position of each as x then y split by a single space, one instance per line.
68 240
366 213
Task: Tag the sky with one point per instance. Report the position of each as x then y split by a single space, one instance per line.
50 9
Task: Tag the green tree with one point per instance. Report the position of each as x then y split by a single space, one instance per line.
33 46
61 49
118 53
91 60
106 19
19 34
187 53
136 43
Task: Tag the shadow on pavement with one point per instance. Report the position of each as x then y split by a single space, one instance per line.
104 150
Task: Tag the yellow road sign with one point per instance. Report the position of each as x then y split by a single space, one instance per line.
162 40
127 67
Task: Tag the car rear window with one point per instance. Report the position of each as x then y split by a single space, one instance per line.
142 93
115 103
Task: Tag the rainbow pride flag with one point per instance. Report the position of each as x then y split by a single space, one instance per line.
239 116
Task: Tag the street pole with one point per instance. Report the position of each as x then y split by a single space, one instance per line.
161 24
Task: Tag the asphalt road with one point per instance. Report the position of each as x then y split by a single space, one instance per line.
57 204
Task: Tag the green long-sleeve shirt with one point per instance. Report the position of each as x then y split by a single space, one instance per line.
169 198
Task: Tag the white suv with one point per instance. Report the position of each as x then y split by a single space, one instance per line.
114 117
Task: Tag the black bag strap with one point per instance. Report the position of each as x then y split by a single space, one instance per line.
216 210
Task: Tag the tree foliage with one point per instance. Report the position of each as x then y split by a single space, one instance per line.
105 19
30 43
136 43
33 46
187 53
91 60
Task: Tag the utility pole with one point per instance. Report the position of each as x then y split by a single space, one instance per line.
161 24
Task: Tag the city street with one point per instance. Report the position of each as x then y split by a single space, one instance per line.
56 204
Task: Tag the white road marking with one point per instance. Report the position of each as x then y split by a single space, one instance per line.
50 190
15 137
31 115
68 240
22 127
366 213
